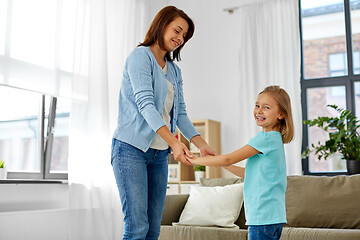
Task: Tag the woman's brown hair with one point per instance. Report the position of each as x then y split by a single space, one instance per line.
156 30
286 124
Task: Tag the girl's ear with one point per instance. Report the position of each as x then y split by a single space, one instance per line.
281 116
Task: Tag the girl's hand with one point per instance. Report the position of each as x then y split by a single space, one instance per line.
206 150
191 160
181 153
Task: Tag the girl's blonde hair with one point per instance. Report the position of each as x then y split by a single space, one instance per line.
286 125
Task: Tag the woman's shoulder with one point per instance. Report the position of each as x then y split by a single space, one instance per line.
140 52
139 56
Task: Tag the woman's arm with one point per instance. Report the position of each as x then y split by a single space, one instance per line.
226 159
238 171
201 144
139 69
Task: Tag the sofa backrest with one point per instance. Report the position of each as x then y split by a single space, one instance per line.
314 201
323 202
174 205
311 201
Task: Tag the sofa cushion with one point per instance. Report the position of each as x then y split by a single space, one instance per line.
323 202
213 206
201 233
290 233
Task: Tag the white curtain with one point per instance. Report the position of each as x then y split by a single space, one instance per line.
106 31
270 54
36 45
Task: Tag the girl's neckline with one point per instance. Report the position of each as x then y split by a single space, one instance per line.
271 131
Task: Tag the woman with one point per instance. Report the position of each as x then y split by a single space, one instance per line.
151 106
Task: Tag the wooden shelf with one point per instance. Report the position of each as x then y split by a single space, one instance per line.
195 182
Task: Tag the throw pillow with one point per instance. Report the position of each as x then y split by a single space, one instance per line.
213 206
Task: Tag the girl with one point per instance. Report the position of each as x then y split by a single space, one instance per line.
151 105
265 172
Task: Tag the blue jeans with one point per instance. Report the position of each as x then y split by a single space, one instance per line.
141 178
265 232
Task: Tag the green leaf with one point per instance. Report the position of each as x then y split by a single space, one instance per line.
344 136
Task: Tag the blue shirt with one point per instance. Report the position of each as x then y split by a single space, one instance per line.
142 98
265 180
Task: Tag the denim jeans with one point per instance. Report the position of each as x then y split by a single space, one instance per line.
265 232
141 178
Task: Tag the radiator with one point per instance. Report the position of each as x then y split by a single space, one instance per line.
35 225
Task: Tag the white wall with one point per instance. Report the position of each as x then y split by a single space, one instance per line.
210 67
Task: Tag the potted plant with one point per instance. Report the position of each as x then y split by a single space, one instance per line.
344 138
3 171
199 172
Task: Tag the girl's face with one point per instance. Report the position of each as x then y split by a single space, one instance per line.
175 33
267 113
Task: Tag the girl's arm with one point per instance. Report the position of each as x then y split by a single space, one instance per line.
226 159
238 171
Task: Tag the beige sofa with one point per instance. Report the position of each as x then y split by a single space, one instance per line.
318 208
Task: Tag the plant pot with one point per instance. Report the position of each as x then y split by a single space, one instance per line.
199 175
353 166
3 173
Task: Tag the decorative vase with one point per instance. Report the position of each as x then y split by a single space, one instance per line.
199 175
353 166
3 173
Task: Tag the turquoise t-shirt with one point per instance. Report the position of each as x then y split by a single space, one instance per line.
265 181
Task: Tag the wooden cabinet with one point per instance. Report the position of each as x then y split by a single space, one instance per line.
184 174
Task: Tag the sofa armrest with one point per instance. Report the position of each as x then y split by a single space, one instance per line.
174 205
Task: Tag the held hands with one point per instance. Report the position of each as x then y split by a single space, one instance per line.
182 153
205 150
192 160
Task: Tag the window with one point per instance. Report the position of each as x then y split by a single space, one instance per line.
338 64
330 34
357 99
36 60
34 131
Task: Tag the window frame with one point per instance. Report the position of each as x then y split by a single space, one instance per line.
348 81
45 146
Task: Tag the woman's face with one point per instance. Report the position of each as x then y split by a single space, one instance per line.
175 33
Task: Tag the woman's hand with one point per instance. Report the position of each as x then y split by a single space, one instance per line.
181 153
201 144
206 150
